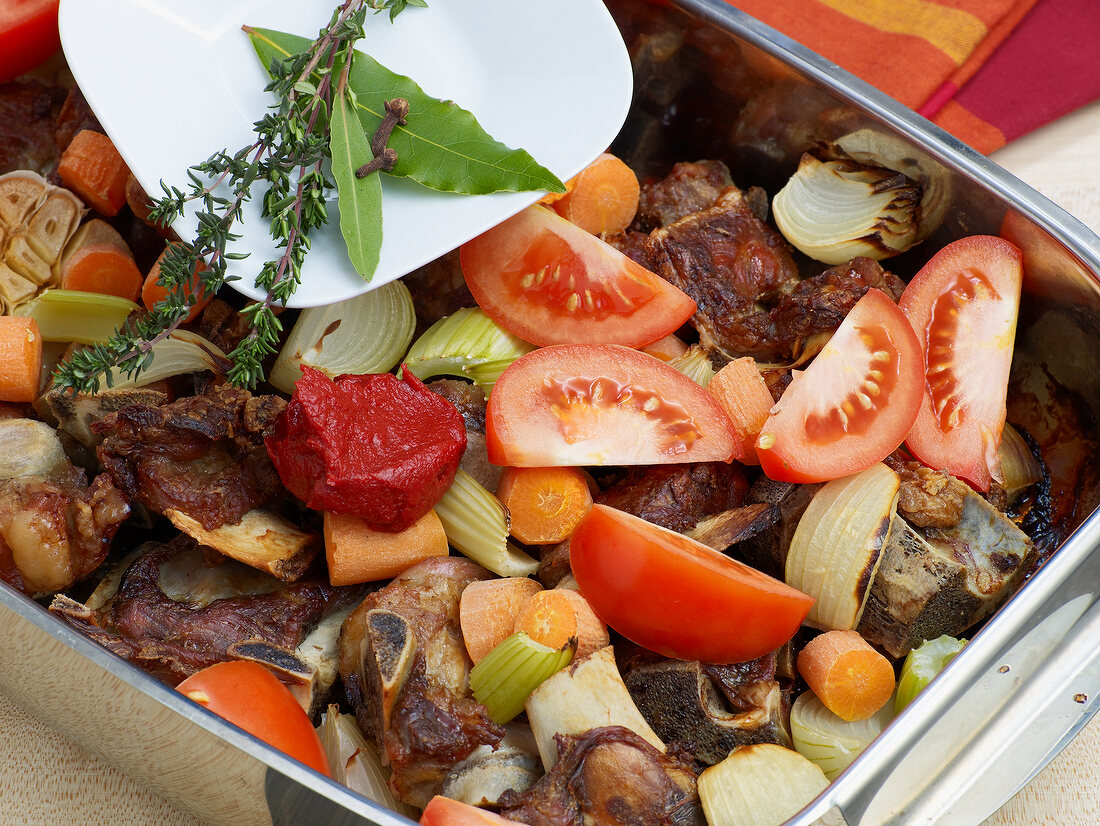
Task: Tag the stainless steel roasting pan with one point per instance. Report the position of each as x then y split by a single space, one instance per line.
711 82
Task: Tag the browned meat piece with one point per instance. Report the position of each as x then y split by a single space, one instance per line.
28 116
819 304
708 709
438 289
729 262
201 455
928 498
689 187
75 116
468 398
54 532
406 672
676 497
632 245
767 551
609 776
222 325
172 638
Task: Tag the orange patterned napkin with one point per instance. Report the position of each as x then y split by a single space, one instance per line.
985 70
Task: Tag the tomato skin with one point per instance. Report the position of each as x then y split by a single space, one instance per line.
28 35
442 811
853 405
963 305
675 596
588 404
251 697
549 282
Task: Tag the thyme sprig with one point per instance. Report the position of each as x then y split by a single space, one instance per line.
292 141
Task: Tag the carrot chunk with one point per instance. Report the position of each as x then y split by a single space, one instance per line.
153 292
92 168
20 359
741 392
548 617
545 504
357 553
850 677
602 198
488 609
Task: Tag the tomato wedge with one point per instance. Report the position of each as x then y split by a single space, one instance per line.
28 35
442 811
600 404
963 306
550 282
251 697
675 596
853 405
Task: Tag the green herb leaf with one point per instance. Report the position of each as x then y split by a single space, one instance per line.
442 146
360 199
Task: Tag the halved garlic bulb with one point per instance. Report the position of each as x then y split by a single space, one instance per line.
835 210
837 546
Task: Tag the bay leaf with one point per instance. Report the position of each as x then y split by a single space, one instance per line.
442 146
360 199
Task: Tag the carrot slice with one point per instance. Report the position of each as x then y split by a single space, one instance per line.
92 168
20 359
603 197
102 268
740 390
850 677
487 611
357 553
545 504
548 617
153 292
591 630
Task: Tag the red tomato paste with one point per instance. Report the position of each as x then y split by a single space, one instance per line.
374 446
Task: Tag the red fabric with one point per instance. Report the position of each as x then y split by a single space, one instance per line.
985 70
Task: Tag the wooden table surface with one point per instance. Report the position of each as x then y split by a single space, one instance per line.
45 779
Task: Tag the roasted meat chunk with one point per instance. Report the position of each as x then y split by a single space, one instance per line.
609 776
929 498
438 289
468 398
203 456
28 118
689 187
55 531
731 264
819 304
406 672
708 709
172 634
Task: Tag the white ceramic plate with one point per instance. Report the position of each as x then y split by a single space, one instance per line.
173 81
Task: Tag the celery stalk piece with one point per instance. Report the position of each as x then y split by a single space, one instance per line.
477 524
508 674
922 664
71 315
467 344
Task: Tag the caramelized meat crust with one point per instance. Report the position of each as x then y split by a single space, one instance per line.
729 262
172 640
928 498
202 455
413 698
468 398
690 187
54 532
609 775
438 289
820 303
28 118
